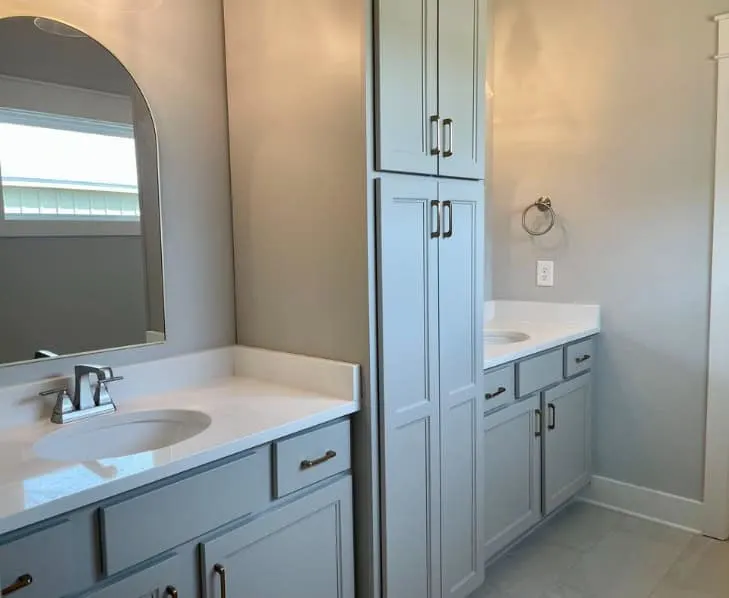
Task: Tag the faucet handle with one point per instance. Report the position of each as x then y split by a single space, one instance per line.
64 404
61 391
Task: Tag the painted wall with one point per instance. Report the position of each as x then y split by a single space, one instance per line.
71 294
185 85
609 107
299 141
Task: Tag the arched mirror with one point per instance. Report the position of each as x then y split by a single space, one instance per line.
80 238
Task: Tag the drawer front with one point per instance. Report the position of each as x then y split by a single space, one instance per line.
46 556
498 387
310 457
579 357
539 372
144 526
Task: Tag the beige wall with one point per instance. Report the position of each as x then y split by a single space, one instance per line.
609 107
174 49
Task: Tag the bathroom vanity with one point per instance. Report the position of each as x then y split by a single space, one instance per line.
257 499
537 414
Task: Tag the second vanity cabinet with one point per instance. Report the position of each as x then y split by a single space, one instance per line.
537 440
226 529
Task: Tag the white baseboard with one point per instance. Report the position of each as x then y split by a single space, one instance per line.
654 505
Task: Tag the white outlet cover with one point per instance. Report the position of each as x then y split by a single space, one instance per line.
545 273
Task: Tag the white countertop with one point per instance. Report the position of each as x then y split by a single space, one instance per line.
244 413
547 324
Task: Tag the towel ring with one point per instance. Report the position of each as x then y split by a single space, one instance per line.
544 205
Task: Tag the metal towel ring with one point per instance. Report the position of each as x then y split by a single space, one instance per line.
543 204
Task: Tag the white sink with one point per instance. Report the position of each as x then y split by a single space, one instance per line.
504 337
120 435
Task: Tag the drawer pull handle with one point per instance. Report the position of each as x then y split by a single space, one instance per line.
491 395
552 416
22 582
220 570
171 591
309 463
582 359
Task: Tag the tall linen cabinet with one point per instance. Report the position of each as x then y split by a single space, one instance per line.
430 58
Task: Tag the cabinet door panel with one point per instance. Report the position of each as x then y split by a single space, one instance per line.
407 78
462 31
304 548
158 581
568 441
512 474
409 406
460 298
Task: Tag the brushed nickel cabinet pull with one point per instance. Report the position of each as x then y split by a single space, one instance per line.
220 570
171 591
434 203
538 425
552 417
582 359
435 126
448 122
309 463
491 395
448 205
22 582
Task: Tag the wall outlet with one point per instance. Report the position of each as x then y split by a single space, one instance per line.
545 273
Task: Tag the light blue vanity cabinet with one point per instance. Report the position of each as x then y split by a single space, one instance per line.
303 549
512 473
567 441
165 579
164 540
430 73
430 284
537 441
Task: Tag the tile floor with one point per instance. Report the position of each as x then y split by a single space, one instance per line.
588 552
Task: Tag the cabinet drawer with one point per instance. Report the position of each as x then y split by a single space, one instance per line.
539 372
498 387
579 357
146 525
310 457
46 556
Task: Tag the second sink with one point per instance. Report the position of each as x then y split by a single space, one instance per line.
120 435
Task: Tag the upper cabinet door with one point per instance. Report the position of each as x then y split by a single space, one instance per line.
407 129
408 237
460 297
461 82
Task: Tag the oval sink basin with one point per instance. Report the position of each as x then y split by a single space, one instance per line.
504 337
120 435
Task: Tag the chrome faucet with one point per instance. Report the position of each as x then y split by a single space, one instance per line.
90 394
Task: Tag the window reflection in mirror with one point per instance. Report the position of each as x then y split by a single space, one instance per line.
80 239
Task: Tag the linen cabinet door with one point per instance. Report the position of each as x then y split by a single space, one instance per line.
568 441
303 549
408 234
406 62
460 298
462 29
512 473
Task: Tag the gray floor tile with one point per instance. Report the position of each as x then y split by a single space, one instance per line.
702 568
579 526
622 565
